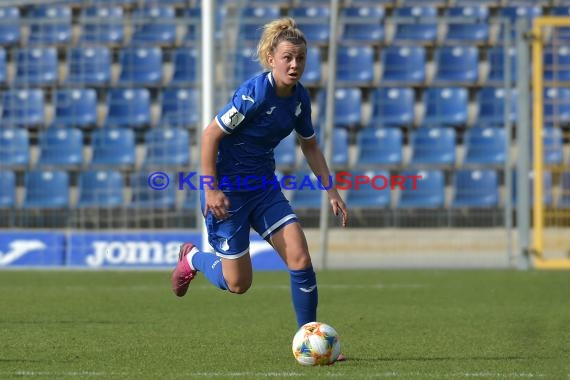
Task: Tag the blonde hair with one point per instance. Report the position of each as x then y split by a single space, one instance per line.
274 32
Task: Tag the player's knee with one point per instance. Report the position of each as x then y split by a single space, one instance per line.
300 262
239 287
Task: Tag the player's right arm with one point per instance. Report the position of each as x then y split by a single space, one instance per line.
216 200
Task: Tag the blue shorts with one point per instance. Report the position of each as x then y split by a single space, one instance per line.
266 211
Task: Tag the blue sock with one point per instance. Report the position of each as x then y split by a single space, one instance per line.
304 294
211 266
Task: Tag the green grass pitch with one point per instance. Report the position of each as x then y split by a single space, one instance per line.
393 324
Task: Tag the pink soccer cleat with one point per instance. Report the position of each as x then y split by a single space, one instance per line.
183 274
341 358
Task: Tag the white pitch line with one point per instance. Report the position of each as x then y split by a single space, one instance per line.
328 374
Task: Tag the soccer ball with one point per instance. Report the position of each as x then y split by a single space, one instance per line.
316 343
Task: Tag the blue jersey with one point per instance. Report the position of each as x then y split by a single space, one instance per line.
255 121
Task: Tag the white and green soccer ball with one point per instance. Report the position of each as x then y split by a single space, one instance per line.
316 343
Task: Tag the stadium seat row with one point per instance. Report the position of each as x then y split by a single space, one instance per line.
157 23
171 147
106 189
125 107
145 66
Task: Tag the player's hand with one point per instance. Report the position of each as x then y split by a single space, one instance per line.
338 206
218 203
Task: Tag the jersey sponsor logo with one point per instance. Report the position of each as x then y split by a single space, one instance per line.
19 248
270 110
247 97
232 118
298 110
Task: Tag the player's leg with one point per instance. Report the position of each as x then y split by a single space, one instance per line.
276 222
291 244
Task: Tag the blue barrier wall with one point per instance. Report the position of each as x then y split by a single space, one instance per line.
127 250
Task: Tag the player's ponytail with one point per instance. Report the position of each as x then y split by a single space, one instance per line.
274 32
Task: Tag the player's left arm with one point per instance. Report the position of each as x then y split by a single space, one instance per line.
319 166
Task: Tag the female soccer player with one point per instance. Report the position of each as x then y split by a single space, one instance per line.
238 143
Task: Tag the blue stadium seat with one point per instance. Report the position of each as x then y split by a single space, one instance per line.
433 146
286 152
498 67
362 25
140 66
10 22
513 13
252 18
103 25
403 65
24 108
314 21
146 197
485 146
313 68
100 189
153 25
171 2
36 66
49 25
379 146
410 3
560 10
415 24
556 64
46 189
348 107
193 18
392 106
75 108
491 103
372 195
340 154
167 147
564 200
553 145
180 107
429 191
128 107
306 194
516 12
190 201
113 147
114 2
89 66
185 62
7 189
547 187
486 3
355 66
475 188
456 65
245 64
3 66
60 147
14 147
467 24
530 2
556 105
368 2
446 106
